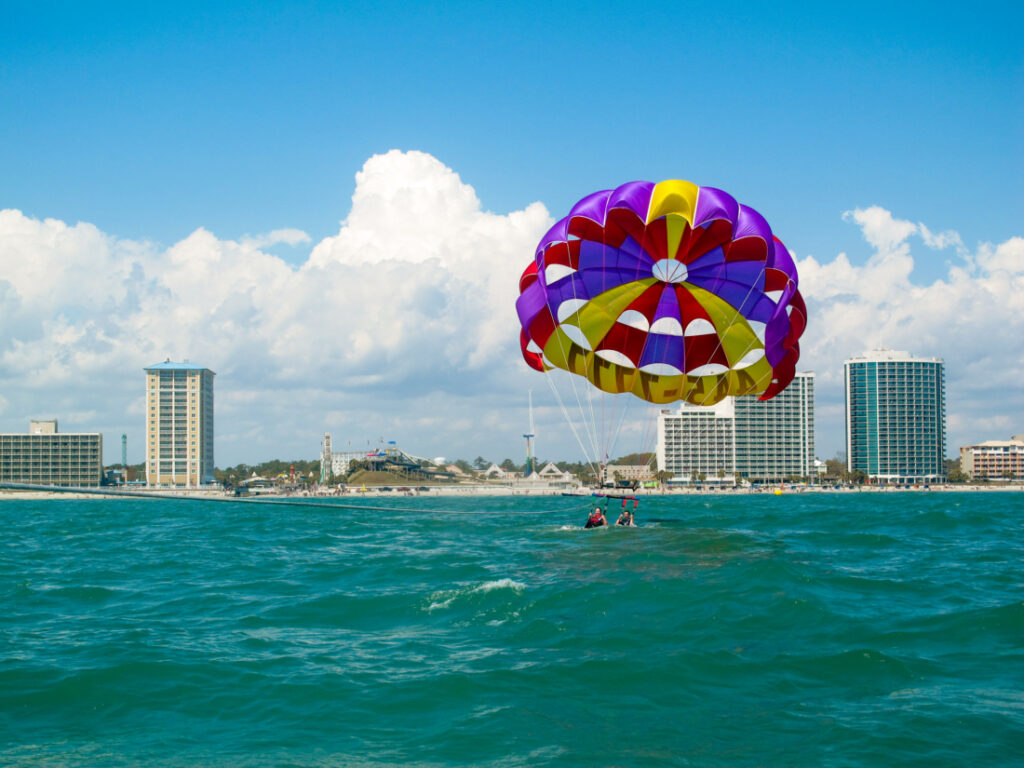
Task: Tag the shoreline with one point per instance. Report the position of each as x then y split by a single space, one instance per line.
442 492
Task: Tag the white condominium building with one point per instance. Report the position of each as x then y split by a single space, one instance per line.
775 438
697 441
741 437
179 425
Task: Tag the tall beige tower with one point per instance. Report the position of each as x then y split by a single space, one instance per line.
179 425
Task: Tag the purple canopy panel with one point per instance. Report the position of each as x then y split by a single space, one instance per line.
784 299
781 260
707 270
707 264
762 310
633 248
714 204
598 256
573 288
774 334
530 303
746 273
635 195
663 348
593 207
601 279
668 304
559 233
751 223
735 294
748 308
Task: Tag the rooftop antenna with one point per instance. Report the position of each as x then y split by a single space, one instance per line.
529 437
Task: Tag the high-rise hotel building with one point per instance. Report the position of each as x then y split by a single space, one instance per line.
896 417
179 424
741 437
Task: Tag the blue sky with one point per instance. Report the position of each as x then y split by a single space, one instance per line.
149 122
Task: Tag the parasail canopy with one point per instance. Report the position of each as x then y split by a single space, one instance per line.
669 291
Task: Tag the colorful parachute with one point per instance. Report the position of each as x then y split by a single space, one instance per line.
670 291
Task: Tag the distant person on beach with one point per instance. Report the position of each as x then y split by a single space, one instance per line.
596 519
626 518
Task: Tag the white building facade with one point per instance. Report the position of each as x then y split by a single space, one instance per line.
741 438
775 438
696 443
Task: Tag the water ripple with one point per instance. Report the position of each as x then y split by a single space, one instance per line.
813 630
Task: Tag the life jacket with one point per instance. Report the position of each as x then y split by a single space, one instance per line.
595 519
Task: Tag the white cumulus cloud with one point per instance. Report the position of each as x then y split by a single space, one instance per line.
407 312
402 324
972 317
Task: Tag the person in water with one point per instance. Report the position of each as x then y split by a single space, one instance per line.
626 518
596 519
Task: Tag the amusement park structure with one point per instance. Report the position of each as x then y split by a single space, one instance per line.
385 458
530 461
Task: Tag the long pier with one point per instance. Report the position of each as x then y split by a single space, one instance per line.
328 501
122 493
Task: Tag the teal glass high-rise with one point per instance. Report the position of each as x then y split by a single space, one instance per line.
896 417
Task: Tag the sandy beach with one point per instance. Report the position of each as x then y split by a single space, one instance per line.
481 490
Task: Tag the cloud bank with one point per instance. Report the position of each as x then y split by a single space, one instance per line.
397 326
402 325
972 317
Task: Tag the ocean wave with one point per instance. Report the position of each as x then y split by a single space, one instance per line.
444 598
487 586
740 632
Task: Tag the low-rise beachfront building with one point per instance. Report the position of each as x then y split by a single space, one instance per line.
994 459
896 417
552 474
820 470
494 472
549 476
627 473
46 456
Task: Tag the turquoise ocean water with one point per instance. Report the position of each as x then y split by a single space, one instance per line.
754 630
